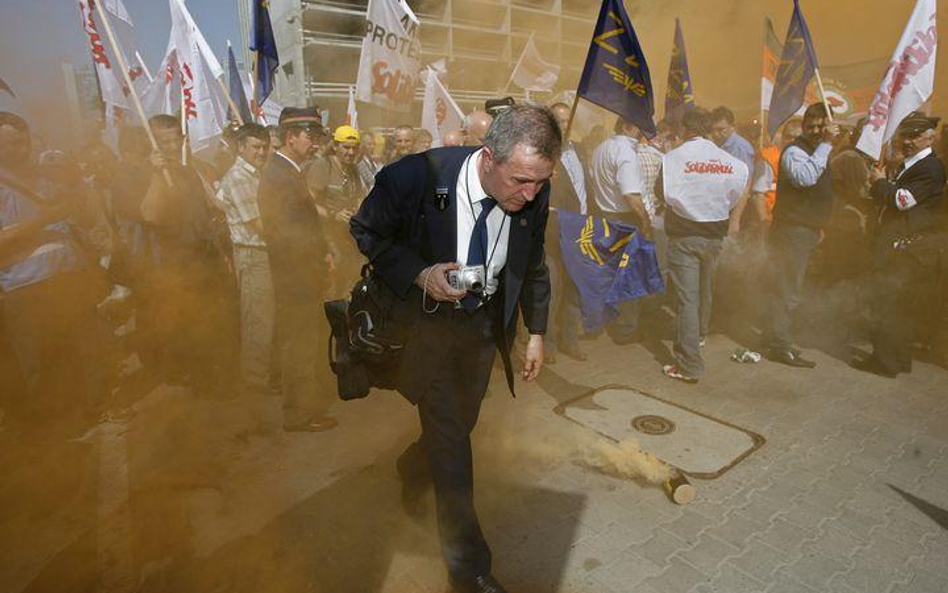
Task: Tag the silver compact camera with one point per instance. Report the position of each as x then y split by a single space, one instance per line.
468 278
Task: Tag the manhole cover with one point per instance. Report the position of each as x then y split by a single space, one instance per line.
653 425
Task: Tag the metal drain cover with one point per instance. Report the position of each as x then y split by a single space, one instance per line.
653 425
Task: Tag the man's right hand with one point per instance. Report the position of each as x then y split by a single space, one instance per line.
830 133
158 160
436 278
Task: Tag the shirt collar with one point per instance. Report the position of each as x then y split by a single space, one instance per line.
909 162
473 185
290 161
241 163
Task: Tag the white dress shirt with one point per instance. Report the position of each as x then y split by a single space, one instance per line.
469 195
574 168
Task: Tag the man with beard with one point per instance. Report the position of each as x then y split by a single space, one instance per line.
299 263
483 210
909 244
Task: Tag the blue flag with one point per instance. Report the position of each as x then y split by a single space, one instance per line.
609 262
679 95
237 89
616 76
797 64
264 45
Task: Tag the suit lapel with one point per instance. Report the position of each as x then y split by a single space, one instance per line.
442 224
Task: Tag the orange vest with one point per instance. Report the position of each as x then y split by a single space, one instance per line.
771 155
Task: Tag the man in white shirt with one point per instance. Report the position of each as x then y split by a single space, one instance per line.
237 195
617 182
701 184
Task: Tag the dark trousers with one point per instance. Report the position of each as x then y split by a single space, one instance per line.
791 247
901 289
448 412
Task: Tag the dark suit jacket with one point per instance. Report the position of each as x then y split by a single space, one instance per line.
926 180
293 231
401 231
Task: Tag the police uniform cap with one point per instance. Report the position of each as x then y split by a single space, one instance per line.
495 106
916 123
301 116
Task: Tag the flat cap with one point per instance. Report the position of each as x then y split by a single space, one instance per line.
301 116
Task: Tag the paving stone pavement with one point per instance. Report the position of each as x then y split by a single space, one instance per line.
843 497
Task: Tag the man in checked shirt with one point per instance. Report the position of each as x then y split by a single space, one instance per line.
238 197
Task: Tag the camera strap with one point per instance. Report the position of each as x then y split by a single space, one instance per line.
470 203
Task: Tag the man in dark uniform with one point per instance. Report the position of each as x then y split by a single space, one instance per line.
909 244
299 262
804 208
484 208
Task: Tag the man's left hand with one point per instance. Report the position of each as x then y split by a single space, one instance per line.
533 358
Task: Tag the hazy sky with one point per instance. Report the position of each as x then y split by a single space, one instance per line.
37 36
723 39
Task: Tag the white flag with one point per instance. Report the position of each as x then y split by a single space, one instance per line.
161 95
532 72
908 82
391 56
352 114
439 113
204 105
117 8
112 90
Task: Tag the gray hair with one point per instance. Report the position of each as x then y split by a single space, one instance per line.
532 126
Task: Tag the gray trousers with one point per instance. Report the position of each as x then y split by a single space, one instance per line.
691 262
256 314
791 248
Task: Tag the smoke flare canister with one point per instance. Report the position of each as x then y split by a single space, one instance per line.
679 489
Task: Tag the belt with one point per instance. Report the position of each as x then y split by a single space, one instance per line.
258 247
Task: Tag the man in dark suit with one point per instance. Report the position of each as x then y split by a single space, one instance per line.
299 262
430 214
909 244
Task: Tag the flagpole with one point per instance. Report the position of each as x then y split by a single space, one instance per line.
572 114
184 130
253 85
141 63
230 100
819 84
131 88
517 65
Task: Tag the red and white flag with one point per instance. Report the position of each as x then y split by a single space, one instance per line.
204 105
390 62
111 88
908 82
352 114
439 113
161 94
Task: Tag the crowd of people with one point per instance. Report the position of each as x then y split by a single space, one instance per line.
213 271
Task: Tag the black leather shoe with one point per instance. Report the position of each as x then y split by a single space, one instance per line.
871 365
573 351
790 358
479 584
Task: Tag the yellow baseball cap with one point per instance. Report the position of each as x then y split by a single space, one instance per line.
346 134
